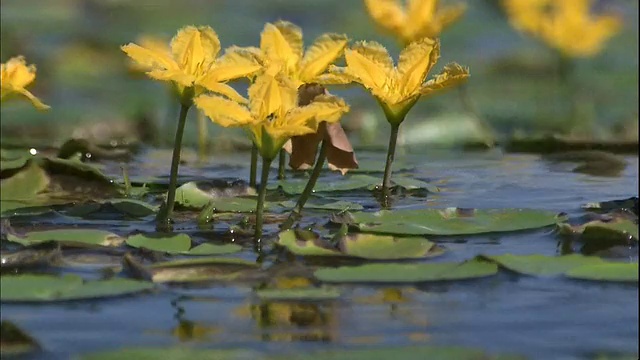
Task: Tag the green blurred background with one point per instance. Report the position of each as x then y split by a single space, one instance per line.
82 73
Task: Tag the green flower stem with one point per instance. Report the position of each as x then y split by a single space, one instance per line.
266 166
203 136
164 215
127 181
315 174
282 158
391 150
254 166
565 76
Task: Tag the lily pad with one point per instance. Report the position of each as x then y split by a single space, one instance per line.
451 221
42 288
13 163
407 273
71 236
540 265
404 353
626 204
615 231
610 271
212 249
365 246
197 195
175 353
348 183
25 184
332 206
129 207
320 293
201 269
372 166
175 243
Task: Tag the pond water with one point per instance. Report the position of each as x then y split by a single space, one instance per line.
538 317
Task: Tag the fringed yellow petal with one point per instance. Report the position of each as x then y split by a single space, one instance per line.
224 112
270 96
370 63
176 75
324 51
452 75
226 90
415 62
335 76
387 14
421 12
150 58
282 42
235 63
195 48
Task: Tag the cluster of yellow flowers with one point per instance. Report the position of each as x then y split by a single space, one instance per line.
569 26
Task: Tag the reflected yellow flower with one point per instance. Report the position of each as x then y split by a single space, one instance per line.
273 115
193 65
397 88
282 50
568 26
15 76
418 19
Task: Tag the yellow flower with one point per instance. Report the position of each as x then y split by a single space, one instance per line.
272 116
398 88
192 65
15 75
420 18
282 50
566 25
153 43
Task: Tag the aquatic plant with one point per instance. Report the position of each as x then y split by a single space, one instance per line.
269 126
15 76
397 88
282 51
192 67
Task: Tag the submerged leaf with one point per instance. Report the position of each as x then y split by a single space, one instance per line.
201 269
311 293
14 341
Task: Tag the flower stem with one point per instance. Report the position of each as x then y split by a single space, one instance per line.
391 150
266 166
254 166
163 221
315 174
202 137
281 164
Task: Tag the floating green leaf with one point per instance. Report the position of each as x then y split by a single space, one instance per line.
406 273
25 184
541 265
332 206
365 246
201 269
71 236
312 293
615 231
129 207
175 243
372 166
212 249
610 271
195 195
451 221
175 353
37 288
628 204
404 353
348 183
